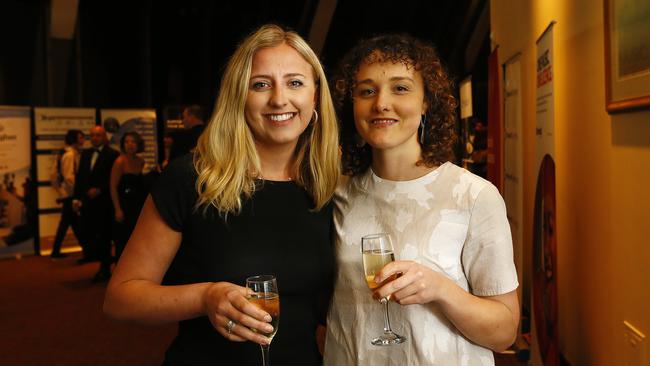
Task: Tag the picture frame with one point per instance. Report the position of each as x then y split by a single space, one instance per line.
627 55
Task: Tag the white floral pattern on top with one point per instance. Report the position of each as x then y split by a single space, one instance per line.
449 220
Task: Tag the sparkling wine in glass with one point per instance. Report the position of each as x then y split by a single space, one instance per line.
264 294
377 251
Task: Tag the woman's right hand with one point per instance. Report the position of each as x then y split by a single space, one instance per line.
224 301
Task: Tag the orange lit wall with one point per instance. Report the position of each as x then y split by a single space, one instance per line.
603 179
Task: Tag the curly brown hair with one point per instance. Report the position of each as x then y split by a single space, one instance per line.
440 118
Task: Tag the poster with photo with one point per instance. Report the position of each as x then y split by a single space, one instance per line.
116 122
50 127
513 182
544 258
16 196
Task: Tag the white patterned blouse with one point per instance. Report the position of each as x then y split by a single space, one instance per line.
449 220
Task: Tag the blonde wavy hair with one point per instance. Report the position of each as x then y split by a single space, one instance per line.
226 160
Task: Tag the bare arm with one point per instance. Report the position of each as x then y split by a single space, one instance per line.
488 321
116 175
135 292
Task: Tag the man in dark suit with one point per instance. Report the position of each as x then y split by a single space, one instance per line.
92 194
185 140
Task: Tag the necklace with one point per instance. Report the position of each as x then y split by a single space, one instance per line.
276 180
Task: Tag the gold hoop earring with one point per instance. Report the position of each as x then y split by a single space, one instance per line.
314 117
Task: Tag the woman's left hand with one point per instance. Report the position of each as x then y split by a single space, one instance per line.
418 284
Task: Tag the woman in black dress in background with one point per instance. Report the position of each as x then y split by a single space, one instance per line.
128 190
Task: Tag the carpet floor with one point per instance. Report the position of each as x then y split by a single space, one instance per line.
51 314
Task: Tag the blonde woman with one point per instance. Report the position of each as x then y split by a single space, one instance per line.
254 198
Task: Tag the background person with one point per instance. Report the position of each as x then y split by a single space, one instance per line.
93 193
128 190
184 141
68 165
168 142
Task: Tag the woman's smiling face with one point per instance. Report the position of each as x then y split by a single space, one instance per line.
388 103
281 96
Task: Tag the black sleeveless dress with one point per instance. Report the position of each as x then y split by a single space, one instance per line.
131 192
276 232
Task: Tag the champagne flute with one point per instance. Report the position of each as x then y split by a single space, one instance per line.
264 294
377 251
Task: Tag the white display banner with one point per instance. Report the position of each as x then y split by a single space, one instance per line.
47 225
466 98
513 194
51 125
545 121
50 128
143 121
16 236
544 243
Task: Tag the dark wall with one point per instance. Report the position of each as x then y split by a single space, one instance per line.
146 53
138 53
22 52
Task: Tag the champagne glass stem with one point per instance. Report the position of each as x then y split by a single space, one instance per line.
387 328
265 355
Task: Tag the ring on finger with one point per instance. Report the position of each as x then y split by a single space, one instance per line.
230 325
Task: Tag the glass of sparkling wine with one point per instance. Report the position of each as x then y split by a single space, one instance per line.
377 251
263 293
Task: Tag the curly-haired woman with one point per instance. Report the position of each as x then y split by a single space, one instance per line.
456 298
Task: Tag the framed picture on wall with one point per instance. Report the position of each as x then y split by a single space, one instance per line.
627 55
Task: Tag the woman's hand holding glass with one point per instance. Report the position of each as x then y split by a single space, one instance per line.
225 302
377 250
263 292
418 284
